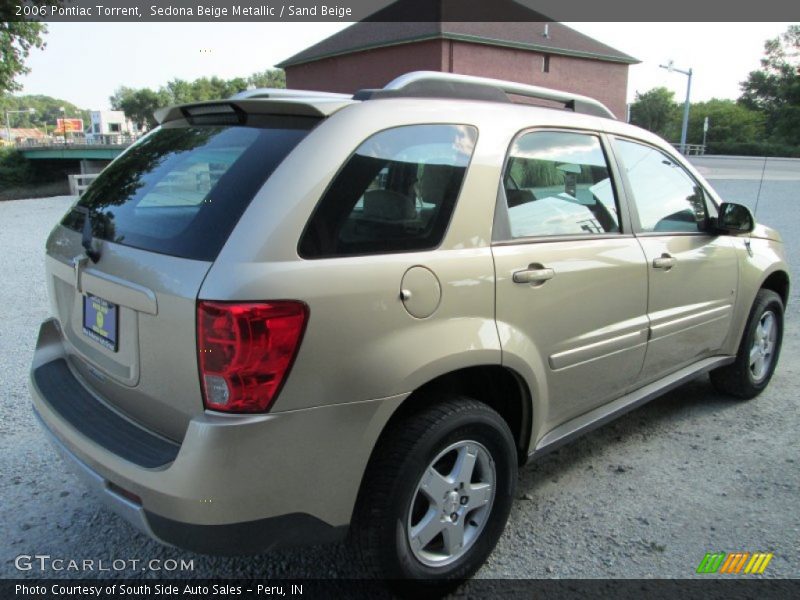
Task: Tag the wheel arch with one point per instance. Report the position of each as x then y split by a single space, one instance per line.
497 386
778 282
774 277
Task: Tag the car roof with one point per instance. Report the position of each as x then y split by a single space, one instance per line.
477 100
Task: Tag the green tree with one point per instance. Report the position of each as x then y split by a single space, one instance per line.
139 105
234 86
775 88
656 111
46 111
17 39
14 169
207 89
271 78
728 122
179 91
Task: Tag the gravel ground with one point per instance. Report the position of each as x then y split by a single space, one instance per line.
645 496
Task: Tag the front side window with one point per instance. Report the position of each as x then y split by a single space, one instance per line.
396 193
558 183
666 197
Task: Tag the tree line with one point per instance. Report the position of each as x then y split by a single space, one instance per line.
139 104
764 120
46 110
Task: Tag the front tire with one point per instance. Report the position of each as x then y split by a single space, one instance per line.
759 350
436 495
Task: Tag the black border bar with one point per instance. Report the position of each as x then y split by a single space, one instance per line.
288 11
701 588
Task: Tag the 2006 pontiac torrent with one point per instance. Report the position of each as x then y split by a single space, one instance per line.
295 317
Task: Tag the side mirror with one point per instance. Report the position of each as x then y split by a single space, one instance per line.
734 218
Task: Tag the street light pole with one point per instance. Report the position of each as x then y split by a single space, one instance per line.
29 111
63 123
685 127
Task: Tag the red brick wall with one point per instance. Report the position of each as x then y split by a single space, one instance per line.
368 69
604 81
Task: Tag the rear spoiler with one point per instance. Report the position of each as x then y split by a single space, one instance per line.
233 108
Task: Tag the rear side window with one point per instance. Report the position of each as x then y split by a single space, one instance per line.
396 193
182 189
558 183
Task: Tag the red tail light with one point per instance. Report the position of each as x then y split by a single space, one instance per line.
246 350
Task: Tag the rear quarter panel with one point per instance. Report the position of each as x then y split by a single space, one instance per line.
360 342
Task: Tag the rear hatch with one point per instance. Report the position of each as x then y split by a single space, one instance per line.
155 220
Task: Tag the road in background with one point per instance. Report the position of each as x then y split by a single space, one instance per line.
775 198
747 167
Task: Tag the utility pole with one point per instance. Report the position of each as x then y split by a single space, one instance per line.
29 111
63 123
684 128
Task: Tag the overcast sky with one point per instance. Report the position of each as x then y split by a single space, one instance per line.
85 62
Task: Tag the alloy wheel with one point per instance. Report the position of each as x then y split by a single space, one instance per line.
762 350
452 503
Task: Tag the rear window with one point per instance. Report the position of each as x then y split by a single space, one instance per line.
182 189
396 193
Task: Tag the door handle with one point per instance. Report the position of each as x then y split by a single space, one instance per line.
665 261
533 275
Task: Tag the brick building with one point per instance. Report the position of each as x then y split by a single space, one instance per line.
370 54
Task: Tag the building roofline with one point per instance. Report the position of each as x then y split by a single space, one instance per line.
460 37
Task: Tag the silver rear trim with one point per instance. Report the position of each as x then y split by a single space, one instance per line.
284 93
593 419
133 513
578 103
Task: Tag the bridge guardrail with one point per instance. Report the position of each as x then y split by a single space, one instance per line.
79 183
690 149
122 141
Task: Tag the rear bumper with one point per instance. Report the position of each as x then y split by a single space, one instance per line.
235 538
236 484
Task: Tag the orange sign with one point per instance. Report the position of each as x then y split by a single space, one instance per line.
69 126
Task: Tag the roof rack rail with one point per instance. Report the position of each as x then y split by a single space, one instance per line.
449 85
285 94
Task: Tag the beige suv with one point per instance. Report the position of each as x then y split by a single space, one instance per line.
290 316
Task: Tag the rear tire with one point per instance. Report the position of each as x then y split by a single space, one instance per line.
758 351
439 478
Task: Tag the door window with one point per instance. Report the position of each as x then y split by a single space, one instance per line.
667 199
558 183
396 193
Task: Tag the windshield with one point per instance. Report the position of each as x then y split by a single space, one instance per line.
182 189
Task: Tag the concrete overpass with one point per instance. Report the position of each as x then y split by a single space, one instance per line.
72 151
92 155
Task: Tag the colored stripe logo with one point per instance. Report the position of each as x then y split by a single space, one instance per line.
734 563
